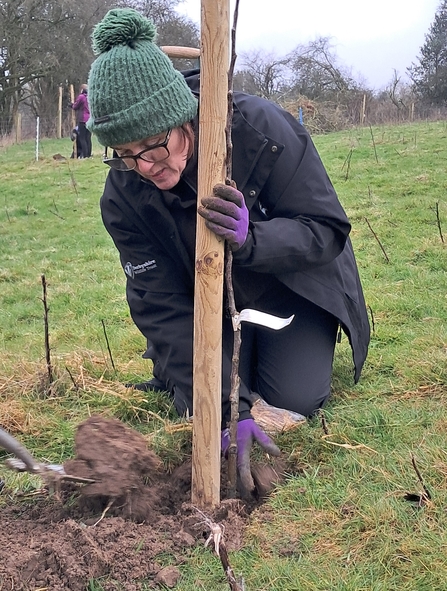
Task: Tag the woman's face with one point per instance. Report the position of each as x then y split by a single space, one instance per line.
163 172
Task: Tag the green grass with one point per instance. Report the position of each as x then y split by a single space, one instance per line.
341 521
393 200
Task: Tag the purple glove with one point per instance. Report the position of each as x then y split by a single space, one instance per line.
248 432
226 215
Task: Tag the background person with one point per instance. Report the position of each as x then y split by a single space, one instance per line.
287 229
74 138
84 137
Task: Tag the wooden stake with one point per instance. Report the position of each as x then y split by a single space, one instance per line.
73 122
363 113
207 362
18 127
59 114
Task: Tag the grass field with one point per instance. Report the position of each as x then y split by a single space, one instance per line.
341 522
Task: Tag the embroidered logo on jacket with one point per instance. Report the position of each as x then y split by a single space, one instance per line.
132 270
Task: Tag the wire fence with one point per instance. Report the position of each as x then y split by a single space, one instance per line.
26 126
320 118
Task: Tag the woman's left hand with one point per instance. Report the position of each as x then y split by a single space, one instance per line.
247 433
226 214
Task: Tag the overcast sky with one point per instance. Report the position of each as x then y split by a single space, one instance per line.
372 39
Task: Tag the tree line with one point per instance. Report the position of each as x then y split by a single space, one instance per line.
46 45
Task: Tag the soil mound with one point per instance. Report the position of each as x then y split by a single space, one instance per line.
117 528
127 474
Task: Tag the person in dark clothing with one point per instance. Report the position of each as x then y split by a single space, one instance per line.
74 138
84 136
286 227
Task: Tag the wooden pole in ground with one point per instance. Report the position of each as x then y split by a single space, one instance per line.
59 115
73 122
207 362
363 113
18 127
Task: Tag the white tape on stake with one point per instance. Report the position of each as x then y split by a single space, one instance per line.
257 317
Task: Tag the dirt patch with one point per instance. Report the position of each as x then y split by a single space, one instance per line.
116 528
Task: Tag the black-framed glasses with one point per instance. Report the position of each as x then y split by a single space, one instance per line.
155 153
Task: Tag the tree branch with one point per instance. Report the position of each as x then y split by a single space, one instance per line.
235 381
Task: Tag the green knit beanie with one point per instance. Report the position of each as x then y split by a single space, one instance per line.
134 91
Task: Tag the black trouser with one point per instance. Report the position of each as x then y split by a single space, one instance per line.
290 368
84 140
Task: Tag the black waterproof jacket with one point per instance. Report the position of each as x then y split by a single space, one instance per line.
298 235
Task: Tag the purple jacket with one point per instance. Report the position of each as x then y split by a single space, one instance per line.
81 107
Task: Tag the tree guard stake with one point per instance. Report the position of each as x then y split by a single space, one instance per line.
207 356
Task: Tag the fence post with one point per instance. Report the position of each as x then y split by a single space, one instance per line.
18 127
59 115
362 116
37 137
73 122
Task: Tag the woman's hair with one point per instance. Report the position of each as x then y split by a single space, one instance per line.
188 134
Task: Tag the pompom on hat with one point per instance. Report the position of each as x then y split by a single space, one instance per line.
134 91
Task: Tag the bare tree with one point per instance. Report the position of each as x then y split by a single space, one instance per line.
393 90
70 44
316 72
172 28
263 74
46 44
22 59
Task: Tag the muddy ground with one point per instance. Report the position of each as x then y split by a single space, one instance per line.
116 528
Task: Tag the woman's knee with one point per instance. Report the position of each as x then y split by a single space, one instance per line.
301 398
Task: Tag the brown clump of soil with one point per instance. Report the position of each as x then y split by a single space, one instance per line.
124 469
115 528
